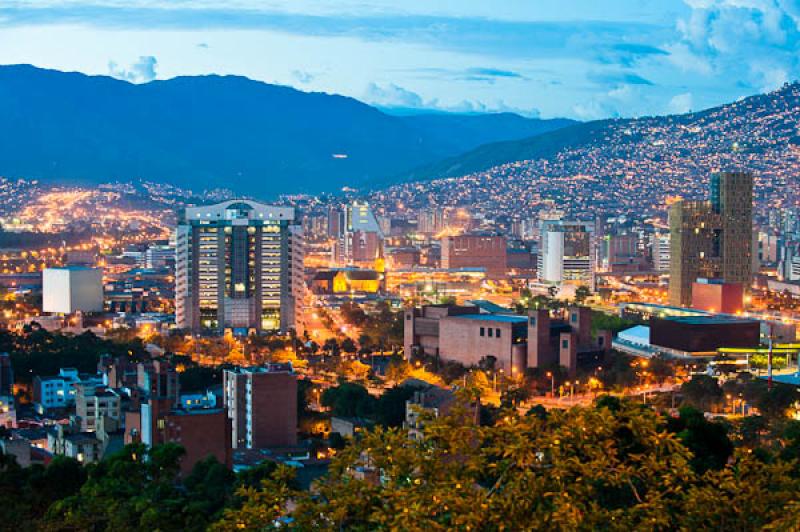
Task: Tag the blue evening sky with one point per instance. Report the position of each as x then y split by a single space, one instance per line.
577 58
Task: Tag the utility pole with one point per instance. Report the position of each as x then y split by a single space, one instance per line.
769 357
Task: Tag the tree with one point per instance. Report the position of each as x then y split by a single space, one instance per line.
390 410
397 371
576 469
487 363
774 403
610 467
140 489
349 346
707 440
702 392
364 341
349 400
478 383
582 293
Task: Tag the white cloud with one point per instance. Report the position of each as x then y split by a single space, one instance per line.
391 95
141 71
752 42
680 103
301 76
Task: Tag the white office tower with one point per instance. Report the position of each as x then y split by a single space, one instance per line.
661 252
72 289
566 251
789 266
239 268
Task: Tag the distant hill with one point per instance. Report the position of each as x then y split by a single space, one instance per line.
539 146
221 131
625 166
758 126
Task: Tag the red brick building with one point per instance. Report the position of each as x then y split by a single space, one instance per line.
262 406
475 251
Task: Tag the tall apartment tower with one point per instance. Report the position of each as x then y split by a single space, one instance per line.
712 239
239 267
732 200
359 236
262 406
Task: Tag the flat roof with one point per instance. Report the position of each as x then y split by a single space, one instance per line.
505 318
793 379
706 320
73 268
638 334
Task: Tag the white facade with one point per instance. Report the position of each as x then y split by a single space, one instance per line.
72 289
661 252
566 251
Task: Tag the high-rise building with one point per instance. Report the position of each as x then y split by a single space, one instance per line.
237 268
732 200
359 237
712 239
566 251
661 251
262 406
430 220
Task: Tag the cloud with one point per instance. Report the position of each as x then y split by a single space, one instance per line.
141 71
613 104
617 78
202 45
680 103
492 73
302 76
519 38
628 54
755 43
391 96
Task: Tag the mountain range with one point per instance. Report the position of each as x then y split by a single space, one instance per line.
206 132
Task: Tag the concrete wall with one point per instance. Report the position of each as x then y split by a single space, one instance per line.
460 340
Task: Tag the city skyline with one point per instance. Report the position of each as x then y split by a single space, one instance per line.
622 59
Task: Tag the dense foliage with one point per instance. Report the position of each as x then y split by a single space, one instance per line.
38 352
615 466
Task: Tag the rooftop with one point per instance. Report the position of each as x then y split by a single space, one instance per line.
504 318
707 320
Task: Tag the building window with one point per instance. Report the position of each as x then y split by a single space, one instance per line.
408 317
482 331
565 344
497 333
532 321
490 332
574 317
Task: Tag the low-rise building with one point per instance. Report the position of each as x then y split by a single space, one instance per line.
59 391
93 402
473 335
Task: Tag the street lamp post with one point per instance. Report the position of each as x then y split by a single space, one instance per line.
552 383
